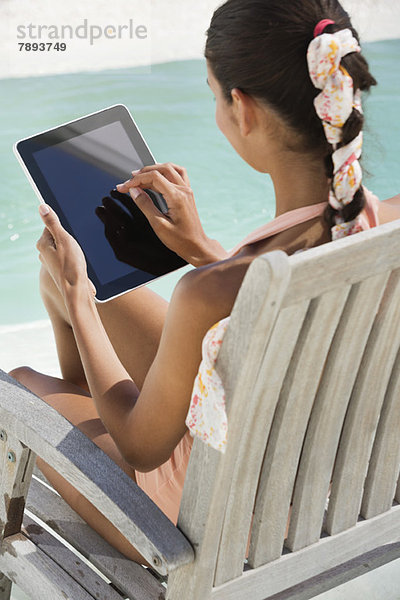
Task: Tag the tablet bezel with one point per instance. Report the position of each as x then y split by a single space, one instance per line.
24 150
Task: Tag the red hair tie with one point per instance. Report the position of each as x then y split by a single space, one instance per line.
319 28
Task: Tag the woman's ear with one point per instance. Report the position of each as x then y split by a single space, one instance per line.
244 111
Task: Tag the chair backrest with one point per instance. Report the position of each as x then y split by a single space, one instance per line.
311 368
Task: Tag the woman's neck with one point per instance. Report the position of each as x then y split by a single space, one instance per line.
298 182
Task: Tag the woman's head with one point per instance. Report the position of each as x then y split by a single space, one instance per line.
260 48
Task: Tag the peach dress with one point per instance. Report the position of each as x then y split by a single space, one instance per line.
164 485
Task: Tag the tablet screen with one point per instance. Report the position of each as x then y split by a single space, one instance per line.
75 167
80 172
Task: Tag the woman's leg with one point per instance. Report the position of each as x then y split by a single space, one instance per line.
133 322
78 407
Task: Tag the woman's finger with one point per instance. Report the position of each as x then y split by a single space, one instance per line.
182 172
170 171
153 180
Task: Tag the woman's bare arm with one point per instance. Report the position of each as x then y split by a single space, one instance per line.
146 427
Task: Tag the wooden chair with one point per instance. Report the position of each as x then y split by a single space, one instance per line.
311 368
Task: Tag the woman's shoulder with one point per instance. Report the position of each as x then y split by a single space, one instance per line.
218 284
214 287
389 210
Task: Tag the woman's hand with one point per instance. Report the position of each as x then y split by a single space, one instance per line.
62 256
132 238
180 229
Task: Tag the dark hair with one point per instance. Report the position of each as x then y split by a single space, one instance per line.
260 47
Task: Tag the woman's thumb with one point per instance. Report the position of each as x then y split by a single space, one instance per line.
44 209
49 218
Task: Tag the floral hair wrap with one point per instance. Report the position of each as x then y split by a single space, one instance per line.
334 106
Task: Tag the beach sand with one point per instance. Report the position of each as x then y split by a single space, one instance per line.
30 344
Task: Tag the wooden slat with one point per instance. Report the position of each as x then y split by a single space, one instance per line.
293 568
290 423
350 259
24 563
251 437
132 579
200 499
16 470
329 411
94 474
384 465
68 561
207 483
16 463
332 578
363 413
252 321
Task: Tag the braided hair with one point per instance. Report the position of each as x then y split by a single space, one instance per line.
263 48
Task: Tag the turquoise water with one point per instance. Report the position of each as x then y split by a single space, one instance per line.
174 110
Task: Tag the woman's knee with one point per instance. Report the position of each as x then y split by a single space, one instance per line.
22 374
37 382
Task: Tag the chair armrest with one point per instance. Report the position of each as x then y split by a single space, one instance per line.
83 464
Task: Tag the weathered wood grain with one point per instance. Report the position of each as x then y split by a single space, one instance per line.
16 464
132 579
363 412
16 470
290 423
68 561
36 574
384 465
251 434
329 410
329 552
345 572
348 260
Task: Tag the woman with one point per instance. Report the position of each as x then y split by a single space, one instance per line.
286 78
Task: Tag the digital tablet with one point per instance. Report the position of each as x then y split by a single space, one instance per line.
74 168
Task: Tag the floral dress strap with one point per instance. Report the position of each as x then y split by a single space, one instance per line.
206 417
